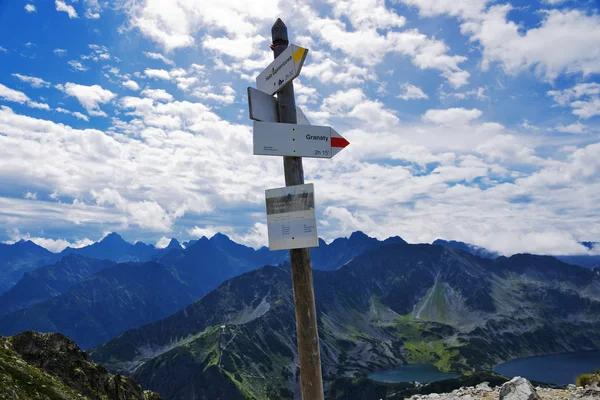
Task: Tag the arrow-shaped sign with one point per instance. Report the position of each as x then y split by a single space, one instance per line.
263 107
277 139
283 70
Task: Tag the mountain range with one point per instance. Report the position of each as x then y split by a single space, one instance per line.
392 305
93 301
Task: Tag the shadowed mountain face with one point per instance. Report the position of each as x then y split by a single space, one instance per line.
400 303
104 305
21 257
50 281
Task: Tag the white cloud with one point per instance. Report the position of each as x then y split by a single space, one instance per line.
76 114
33 81
90 97
573 128
62 6
132 85
162 242
41 106
31 196
3 50
225 96
60 52
30 8
452 116
561 44
157 94
79 115
90 14
411 92
9 94
344 73
583 98
12 95
370 47
146 214
208 231
53 245
77 65
157 74
478 93
177 25
158 56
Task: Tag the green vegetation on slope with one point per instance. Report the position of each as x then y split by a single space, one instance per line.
588 379
52 367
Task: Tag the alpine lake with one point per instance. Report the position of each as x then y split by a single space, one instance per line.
558 369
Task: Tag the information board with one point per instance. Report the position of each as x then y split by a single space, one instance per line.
291 217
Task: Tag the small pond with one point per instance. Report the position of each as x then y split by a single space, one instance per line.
422 373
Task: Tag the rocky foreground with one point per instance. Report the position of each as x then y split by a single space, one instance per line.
516 389
52 367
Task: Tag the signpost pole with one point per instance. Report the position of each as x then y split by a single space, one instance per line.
311 381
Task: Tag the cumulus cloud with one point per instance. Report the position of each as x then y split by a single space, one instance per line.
411 92
60 52
64 7
157 74
90 97
15 96
158 56
575 128
157 94
76 65
132 85
33 81
560 44
583 98
30 8
452 116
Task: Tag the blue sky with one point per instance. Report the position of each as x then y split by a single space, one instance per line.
474 120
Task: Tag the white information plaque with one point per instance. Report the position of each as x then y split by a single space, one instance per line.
291 217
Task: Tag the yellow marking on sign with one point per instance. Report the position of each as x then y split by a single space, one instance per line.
298 54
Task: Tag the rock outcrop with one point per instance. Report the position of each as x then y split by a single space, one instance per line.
52 366
516 389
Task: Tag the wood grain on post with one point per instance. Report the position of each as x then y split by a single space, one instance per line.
311 380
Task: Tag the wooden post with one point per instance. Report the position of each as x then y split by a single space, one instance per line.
311 380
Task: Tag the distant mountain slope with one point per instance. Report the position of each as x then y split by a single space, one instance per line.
50 281
396 304
470 248
113 247
586 261
101 307
21 257
51 366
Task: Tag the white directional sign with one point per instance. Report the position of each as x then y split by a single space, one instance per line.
263 107
277 139
291 217
283 70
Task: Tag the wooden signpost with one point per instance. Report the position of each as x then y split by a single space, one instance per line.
291 215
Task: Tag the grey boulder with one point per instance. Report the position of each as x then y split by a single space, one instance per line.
518 389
